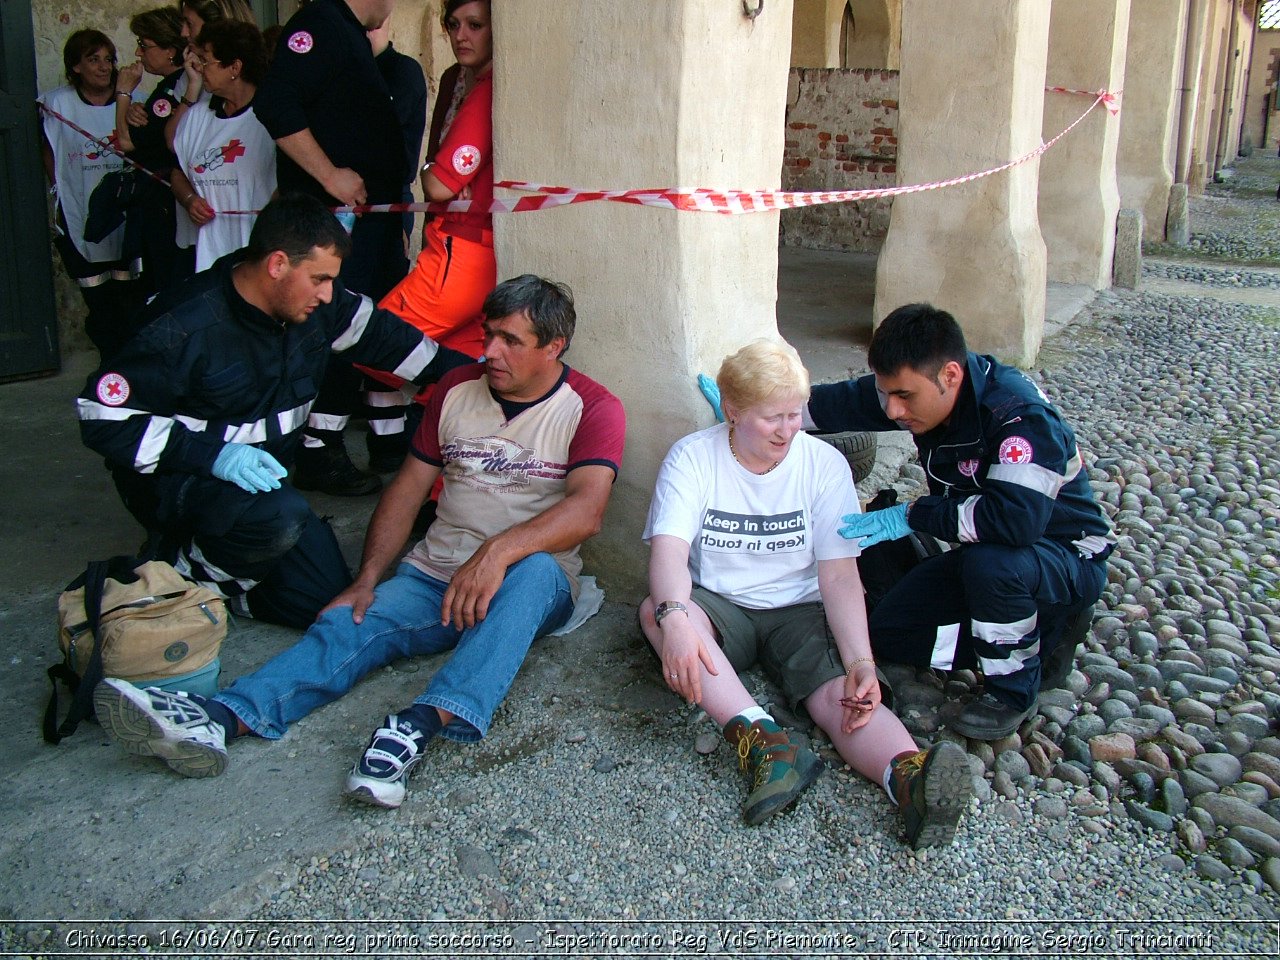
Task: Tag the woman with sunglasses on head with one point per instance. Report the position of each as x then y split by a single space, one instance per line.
75 166
226 156
140 128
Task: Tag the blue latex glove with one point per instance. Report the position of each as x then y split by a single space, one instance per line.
876 526
712 393
250 469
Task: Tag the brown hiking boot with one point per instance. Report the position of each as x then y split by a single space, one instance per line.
779 769
932 788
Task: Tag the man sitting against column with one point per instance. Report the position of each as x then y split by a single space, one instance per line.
200 414
528 449
1007 484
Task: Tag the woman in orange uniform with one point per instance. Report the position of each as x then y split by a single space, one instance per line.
443 294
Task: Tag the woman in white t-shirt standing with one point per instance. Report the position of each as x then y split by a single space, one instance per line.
226 156
746 566
75 164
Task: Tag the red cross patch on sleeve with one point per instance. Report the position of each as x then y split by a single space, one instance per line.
1016 450
466 159
301 42
113 389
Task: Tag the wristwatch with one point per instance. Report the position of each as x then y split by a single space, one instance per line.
666 607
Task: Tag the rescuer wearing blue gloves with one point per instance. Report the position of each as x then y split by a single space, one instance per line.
200 413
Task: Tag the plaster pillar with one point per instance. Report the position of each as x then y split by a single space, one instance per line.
1149 110
815 33
684 93
1079 198
974 249
1209 94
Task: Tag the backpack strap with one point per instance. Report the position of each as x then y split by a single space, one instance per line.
81 687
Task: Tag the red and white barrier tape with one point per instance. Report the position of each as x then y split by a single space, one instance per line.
545 196
1109 100
756 201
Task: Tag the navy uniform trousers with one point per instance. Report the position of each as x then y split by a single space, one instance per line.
998 609
268 551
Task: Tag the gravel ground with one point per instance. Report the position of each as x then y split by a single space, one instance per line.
1147 789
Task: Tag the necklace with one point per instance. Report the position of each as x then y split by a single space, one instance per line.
772 466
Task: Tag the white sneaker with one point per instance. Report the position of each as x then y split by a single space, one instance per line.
394 750
156 723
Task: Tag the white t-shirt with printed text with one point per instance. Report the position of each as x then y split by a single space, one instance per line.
754 538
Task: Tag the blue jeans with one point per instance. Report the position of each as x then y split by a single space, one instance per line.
404 621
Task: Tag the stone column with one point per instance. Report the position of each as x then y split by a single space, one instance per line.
975 249
1078 193
1149 110
815 33
683 93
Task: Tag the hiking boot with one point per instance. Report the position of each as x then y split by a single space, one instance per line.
329 469
393 751
987 718
779 769
932 788
156 723
1058 664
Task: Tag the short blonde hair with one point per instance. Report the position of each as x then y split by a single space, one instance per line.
761 371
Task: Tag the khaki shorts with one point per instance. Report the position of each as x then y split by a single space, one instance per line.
793 644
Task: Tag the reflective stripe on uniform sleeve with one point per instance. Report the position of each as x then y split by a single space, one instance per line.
192 424
417 361
966 528
356 328
256 432
154 439
1032 476
92 410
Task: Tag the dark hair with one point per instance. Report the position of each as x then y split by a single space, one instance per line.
296 224
919 336
231 40
211 11
162 26
448 9
79 44
547 304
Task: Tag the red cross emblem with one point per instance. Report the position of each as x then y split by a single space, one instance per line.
1015 450
301 42
466 159
113 389
232 151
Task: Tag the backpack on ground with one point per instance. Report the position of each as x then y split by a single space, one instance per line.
138 620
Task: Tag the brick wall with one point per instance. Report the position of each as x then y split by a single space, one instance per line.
841 135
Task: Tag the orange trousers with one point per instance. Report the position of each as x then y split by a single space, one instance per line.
443 295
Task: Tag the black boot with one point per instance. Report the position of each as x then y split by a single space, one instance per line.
329 469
